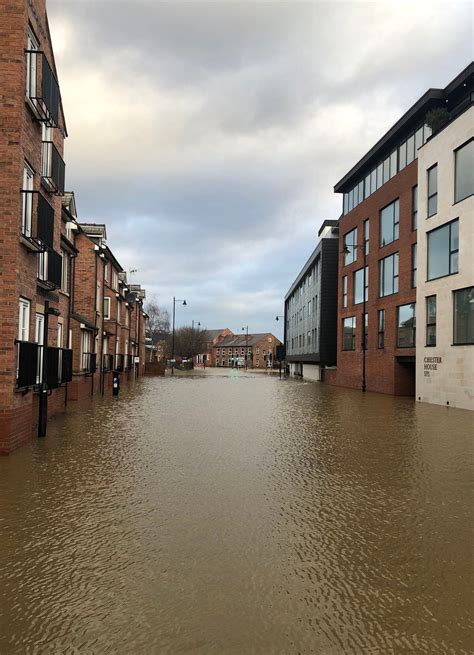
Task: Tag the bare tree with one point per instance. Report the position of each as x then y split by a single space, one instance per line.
188 342
158 323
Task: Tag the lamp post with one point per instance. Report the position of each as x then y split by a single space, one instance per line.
346 251
172 341
277 318
246 328
194 341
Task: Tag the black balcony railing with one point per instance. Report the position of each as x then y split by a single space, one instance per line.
130 362
27 363
119 362
108 361
37 221
66 365
53 168
42 88
89 363
50 270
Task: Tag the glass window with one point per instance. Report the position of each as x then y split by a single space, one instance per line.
366 331
31 65
413 264
464 172
393 164
27 206
344 291
24 320
346 203
348 333
431 321
464 316
351 199
350 250
443 250
107 308
373 181
426 132
406 326
379 175
386 170
366 236
389 223
418 140
410 149
402 156
367 190
432 190
414 207
361 191
356 195
359 293
388 275
381 328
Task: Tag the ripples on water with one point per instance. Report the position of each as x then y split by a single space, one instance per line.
239 515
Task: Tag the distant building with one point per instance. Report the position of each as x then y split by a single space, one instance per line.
253 350
311 309
213 337
445 288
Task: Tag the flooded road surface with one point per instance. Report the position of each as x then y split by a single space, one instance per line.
240 514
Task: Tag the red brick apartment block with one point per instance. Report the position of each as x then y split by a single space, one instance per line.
213 338
380 217
32 296
258 350
54 336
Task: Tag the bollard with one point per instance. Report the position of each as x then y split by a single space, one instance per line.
115 383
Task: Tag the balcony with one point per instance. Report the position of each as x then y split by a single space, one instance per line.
108 361
30 362
49 270
53 168
27 364
37 221
119 362
89 363
58 366
42 88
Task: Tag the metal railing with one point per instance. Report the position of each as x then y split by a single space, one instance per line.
42 87
53 168
30 365
89 363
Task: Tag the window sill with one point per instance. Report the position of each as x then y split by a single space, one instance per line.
468 343
440 277
30 104
29 243
64 293
456 202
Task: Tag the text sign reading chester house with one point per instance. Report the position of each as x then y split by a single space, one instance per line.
431 364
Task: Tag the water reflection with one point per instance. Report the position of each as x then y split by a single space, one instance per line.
239 514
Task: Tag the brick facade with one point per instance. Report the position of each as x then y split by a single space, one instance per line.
260 348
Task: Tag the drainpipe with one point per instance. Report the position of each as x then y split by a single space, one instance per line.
102 333
71 281
96 275
43 390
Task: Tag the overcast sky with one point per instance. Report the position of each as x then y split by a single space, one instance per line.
209 136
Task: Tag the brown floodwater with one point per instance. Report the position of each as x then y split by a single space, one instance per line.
237 513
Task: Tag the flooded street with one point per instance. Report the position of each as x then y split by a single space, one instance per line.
237 513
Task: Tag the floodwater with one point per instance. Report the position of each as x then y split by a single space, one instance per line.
237 513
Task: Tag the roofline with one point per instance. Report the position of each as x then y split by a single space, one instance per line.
302 273
431 97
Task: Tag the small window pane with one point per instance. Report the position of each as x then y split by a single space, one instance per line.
379 175
402 155
367 190
393 164
406 326
410 149
373 181
418 140
386 170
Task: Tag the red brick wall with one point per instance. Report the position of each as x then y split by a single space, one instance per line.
383 372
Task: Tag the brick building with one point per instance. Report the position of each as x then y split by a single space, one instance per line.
213 337
378 234
34 300
259 349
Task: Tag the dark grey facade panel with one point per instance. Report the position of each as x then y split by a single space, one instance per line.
329 291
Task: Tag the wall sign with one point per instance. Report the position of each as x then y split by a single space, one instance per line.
431 364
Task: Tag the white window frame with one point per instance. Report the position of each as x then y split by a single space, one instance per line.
39 339
65 271
85 348
31 65
42 266
27 206
106 312
24 319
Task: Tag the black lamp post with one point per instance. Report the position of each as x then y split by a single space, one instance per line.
194 340
174 316
277 318
246 328
346 251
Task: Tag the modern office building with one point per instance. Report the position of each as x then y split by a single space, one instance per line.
311 309
378 258
445 288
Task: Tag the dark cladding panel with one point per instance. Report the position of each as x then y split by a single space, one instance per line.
328 324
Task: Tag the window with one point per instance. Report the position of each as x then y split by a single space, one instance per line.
386 170
46 152
39 339
309 307
348 333
389 223
344 291
379 175
463 316
118 311
107 308
114 280
393 164
414 208
402 155
308 338
406 326
381 328
106 272
27 206
388 275
350 250
410 149
31 65
24 320
413 264
361 285
464 171
42 266
65 271
366 331
127 317
366 236
443 250
432 190
431 321
85 350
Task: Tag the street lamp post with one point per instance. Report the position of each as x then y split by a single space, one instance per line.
194 341
172 340
246 328
346 251
277 318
